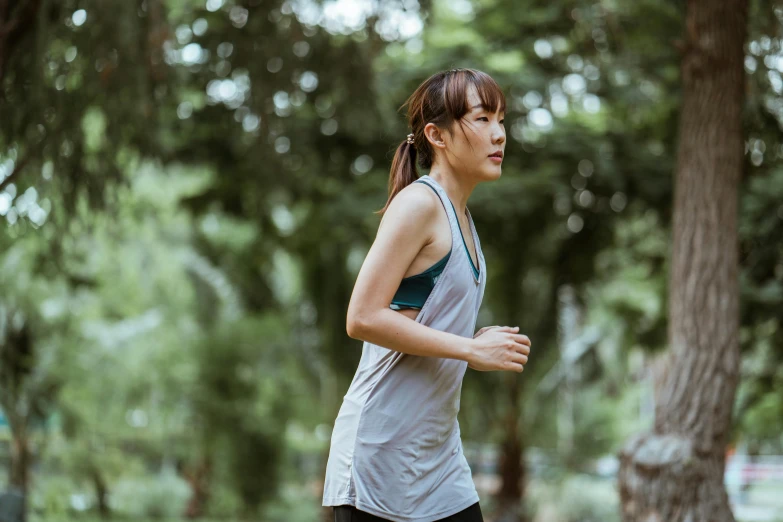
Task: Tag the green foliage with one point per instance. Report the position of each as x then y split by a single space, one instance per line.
581 499
155 497
573 498
187 192
52 496
241 403
294 504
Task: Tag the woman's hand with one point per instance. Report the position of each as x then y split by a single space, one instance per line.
484 330
499 348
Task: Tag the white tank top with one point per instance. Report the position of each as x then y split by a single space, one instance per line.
396 450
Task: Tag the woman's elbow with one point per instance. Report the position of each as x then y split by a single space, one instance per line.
353 326
356 325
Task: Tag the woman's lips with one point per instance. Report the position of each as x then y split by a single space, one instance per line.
496 159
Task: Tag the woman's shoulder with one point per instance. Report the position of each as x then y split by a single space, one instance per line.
417 200
414 207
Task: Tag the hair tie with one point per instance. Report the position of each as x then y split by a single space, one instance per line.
410 138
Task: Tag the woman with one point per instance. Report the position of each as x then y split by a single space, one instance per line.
396 452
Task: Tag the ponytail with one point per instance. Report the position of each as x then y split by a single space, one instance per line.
403 171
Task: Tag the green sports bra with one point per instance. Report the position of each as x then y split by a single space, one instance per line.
414 290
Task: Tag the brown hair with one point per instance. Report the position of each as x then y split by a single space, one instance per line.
441 99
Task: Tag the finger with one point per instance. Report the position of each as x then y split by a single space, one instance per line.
512 329
520 358
482 331
513 366
522 339
521 347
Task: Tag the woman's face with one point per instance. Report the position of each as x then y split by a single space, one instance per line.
471 151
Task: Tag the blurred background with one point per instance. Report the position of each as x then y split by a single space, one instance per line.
187 191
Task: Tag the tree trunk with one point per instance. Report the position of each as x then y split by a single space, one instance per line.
20 459
101 493
512 469
675 473
511 458
199 478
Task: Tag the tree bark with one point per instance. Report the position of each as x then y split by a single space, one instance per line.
199 478
675 473
512 469
19 469
101 492
12 29
20 459
16 362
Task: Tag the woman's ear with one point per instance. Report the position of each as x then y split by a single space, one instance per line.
435 136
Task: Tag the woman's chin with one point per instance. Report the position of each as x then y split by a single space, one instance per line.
492 175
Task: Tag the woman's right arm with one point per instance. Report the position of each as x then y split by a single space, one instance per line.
406 227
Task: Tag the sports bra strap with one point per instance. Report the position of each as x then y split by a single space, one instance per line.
430 186
440 197
456 229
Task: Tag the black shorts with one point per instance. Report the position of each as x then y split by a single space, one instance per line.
351 514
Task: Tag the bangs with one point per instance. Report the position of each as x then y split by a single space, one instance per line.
456 90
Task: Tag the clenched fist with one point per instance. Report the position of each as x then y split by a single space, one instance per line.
499 348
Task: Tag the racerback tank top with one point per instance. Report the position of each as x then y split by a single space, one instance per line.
395 450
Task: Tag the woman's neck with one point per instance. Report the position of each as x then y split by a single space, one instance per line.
456 188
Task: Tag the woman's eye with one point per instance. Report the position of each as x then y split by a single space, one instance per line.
484 118
502 121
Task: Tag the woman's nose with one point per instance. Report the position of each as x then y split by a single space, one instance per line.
498 133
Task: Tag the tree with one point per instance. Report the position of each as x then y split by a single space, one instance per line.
29 380
675 472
